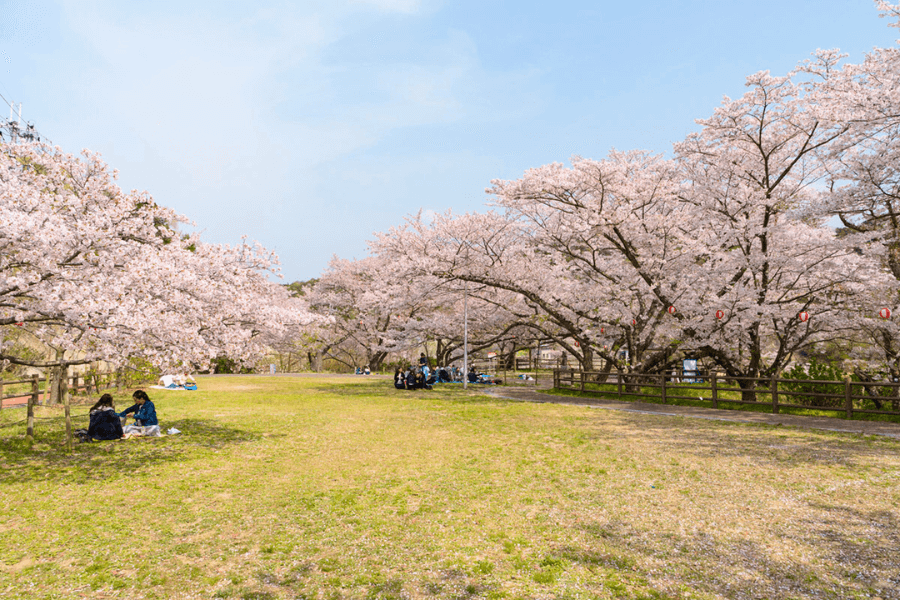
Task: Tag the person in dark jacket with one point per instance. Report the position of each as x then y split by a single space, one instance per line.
411 379
143 409
105 423
399 379
421 382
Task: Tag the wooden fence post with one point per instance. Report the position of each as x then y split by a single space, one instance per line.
582 380
662 388
715 390
773 387
848 398
68 425
556 378
32 400
1 394
619 381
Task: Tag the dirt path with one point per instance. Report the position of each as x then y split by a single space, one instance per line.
18 401
693 412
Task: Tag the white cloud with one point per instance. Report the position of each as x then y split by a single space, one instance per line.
399 6
240 120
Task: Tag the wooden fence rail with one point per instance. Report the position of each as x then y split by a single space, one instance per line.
30 389
88 383
847 397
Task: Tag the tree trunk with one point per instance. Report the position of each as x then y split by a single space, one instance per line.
895 392
59 375
748 389
443 352
587 358
604 374
315 361
632 381
376 360
60 385
509 360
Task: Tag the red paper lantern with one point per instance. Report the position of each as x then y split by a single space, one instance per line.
885 313
602 330
720 314
577 344
804 316
633 322
671 310
19 324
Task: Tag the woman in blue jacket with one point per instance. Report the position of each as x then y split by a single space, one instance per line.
143 409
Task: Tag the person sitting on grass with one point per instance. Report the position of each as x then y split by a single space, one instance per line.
105 423
179 380
411 379
186 381
143 409
399 379
421 382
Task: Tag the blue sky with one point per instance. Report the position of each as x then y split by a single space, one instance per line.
309 125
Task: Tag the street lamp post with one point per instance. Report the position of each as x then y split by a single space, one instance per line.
466 336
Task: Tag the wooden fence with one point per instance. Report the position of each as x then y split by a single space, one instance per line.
30 389
846 397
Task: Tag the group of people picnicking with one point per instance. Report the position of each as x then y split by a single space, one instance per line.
423 377
107 424
178 381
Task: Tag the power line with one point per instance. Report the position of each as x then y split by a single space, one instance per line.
13 127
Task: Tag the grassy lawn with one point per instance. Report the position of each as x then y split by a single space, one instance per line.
327 488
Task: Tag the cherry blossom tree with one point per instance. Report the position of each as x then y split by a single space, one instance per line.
750 169
99 274
863 184
621 231
493 251
714 253
368 301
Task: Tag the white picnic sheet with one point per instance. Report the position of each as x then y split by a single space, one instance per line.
131 431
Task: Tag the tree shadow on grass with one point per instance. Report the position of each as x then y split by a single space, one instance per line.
847 560
765 445
447 392
48 461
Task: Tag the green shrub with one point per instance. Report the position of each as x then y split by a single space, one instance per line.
802 386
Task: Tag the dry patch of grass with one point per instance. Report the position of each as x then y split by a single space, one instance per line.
345 488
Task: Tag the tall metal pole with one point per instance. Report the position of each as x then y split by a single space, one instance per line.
466 337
